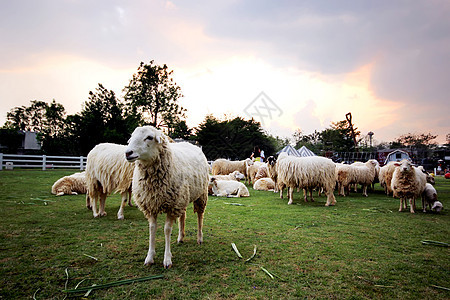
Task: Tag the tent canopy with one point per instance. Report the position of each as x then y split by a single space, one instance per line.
303 151
289 150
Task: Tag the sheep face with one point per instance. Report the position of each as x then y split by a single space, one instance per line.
271 160
405 166
145 144
437 206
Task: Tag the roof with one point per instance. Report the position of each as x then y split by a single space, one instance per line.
303 151
289 150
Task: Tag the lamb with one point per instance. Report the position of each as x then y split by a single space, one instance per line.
228 188
108 171
306 173
236 176
167 177
429 196
408 182
224 167
70 185
264 184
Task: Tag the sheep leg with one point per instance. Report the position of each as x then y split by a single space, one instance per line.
151 240
364 188
311 195
412 205
102 211
305 196
167 232
291 192
331 200
88 201
200 228
120 215
129 198
181 224
401 204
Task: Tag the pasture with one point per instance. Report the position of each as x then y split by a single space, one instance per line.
362 248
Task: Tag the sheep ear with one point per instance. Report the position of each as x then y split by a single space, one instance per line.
160 139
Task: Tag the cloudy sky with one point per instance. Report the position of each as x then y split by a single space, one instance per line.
289 64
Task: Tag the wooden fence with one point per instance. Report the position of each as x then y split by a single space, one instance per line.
11 161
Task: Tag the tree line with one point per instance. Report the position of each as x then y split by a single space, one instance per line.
152 98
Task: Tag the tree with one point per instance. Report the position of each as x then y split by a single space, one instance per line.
234 139
153 95
420 140
180 130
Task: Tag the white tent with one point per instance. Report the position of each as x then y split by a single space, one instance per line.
303 151
289 150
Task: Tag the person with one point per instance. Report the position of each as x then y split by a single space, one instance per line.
256 155
262 155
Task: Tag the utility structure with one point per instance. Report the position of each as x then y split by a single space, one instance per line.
348 116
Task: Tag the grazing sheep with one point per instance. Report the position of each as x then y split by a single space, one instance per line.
306 173
429 196
236 176
224 167
167 177
264 184
407 183
228 188
70 185
108 171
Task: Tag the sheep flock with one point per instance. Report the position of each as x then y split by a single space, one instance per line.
164 177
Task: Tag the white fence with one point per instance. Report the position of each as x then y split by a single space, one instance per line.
11 161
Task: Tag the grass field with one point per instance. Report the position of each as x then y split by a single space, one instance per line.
362 248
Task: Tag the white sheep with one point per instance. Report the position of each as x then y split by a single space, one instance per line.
224 167
228 188
407 183
306 173
167 177
253 168
264 184
429 197
236 176
385 176
344 177
271 168
364 174
70 185
108 171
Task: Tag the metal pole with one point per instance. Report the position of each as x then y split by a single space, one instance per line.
44 162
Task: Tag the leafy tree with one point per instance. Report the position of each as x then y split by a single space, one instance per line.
311 141
234 139
420 140
153 95
180 130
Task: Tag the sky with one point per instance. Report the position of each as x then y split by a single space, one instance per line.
291 65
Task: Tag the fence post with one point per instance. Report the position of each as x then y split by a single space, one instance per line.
1 161
81 163
44 162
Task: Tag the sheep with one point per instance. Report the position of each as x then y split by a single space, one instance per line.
224 167
430 179
70 185
364 174
228 188
385 176
271 165
108 171
408 182
263 172
264 184
306 172
429 196
343 177
236 176
253 168
167 177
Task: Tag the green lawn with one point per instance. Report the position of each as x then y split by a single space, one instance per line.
362 248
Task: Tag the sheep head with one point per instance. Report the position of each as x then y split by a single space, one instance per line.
405 166
437 206
145 144
271 160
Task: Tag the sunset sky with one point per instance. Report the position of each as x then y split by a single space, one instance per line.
387 61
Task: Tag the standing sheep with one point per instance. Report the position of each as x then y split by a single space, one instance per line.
224 167
70 185
167 177
307 173
364 174
407 183
107 171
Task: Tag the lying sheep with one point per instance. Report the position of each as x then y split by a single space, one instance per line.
429 197
167 177
108 171
306 173
224 167
70 185
227 188
236 176
407 183
264 184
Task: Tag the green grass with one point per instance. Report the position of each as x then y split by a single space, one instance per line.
362 248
